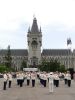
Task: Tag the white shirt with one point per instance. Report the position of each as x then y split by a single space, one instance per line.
28 76
5 77
51 78
9 77
33 77
68 76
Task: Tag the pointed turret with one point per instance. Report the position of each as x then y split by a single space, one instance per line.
34 28
34 39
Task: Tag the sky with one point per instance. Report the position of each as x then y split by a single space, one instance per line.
56 18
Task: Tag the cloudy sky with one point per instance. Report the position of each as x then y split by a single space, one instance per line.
56 18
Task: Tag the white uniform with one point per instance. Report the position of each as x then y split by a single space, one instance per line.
5 77
51 78
33 77
9 79
5 81
28 78
21 77
56 77
68 75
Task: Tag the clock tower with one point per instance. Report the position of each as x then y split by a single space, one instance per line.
34 39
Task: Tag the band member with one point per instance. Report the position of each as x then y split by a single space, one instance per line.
68 75
21 79
51 78
17 76
9 79
65 78
28 78
56 77
41 78
33 77
44 79
5 80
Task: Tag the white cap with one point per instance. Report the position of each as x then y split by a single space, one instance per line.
51 73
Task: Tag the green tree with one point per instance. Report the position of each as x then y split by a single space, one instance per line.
52 65
3 68
8 58
23 65
62 68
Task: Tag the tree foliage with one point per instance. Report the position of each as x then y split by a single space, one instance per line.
8 58
52 65
4 68
23 65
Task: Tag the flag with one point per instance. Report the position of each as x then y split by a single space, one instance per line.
69 41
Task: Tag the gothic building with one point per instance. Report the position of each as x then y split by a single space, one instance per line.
34 44
33 56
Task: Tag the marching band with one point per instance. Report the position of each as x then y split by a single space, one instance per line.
51 79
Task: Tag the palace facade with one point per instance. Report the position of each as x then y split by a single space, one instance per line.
33 56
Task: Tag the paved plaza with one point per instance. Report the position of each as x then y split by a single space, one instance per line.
37 93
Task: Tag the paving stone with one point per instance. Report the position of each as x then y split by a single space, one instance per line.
37 93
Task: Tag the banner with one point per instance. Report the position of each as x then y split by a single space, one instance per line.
30 69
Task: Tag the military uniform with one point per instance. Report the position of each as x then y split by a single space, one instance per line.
9 79
28 78
51 78
5 81
33 77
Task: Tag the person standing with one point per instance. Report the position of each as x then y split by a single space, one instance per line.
17 76
51 78
21 78
5 80
28 78
68 75
33 77
45 79
56 77
9 79
65 78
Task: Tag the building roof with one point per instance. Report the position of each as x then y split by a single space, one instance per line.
34 28
56 52
45 52
15 52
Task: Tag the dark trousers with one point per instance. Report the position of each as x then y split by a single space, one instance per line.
9 84
28 82
18 81
65 81
21 83
69 83
5 83
33 83
57 83
44 83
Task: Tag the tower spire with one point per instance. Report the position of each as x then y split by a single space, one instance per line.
34 28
